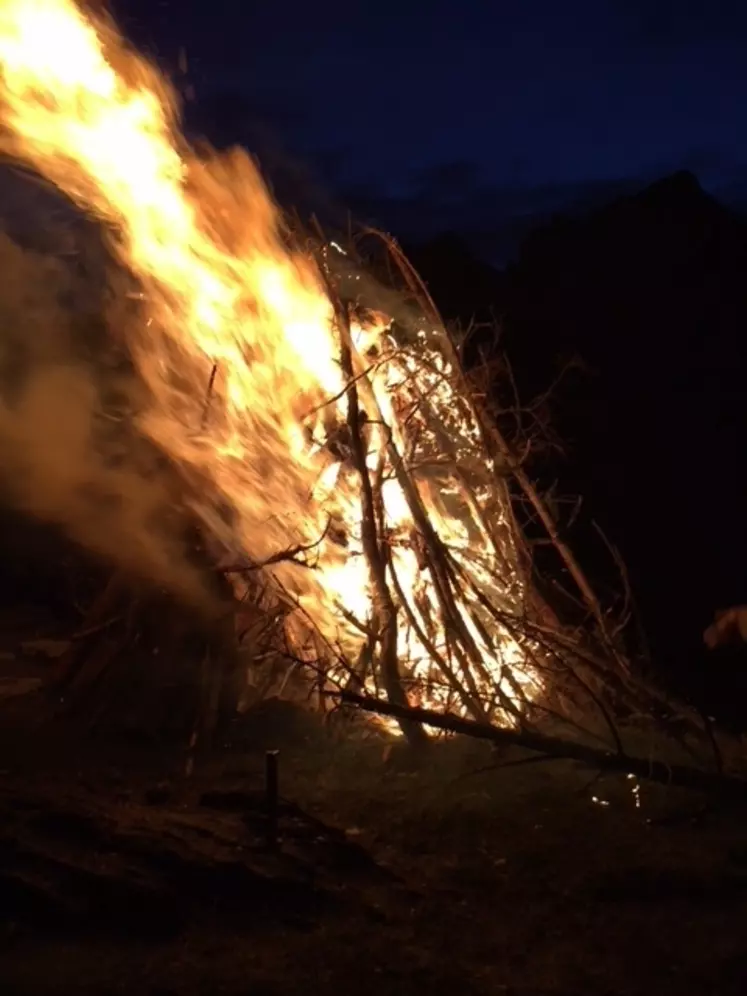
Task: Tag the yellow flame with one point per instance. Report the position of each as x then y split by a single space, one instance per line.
226 303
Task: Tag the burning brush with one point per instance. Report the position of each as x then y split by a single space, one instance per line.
359 479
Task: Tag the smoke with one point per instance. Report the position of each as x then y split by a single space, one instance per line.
69 452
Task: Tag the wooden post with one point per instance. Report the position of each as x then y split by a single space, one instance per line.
271 797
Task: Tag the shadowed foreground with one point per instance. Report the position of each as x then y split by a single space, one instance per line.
470 873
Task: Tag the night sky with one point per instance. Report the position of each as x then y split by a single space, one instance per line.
531 94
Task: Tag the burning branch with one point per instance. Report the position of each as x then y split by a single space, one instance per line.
491 434
384 620
292 555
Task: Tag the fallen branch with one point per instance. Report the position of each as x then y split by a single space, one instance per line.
679 775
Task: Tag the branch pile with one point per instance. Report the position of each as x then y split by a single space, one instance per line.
456 627
334 464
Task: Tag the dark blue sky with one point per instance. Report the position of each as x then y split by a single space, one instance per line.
534 93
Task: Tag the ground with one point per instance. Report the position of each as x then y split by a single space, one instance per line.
466 871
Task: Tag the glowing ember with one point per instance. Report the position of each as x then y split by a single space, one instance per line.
226 303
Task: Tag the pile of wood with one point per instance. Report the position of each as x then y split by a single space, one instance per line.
143 659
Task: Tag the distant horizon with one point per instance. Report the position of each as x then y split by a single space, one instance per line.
479 228
491 221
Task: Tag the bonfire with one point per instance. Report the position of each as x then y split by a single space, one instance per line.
349 497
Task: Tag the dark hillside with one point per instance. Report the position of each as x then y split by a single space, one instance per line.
651 293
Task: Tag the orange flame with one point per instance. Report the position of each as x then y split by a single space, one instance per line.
223 294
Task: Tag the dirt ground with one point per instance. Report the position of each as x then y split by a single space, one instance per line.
468 871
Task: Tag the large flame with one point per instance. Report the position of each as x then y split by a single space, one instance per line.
237 345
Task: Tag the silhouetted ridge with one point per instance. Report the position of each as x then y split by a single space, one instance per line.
651 292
